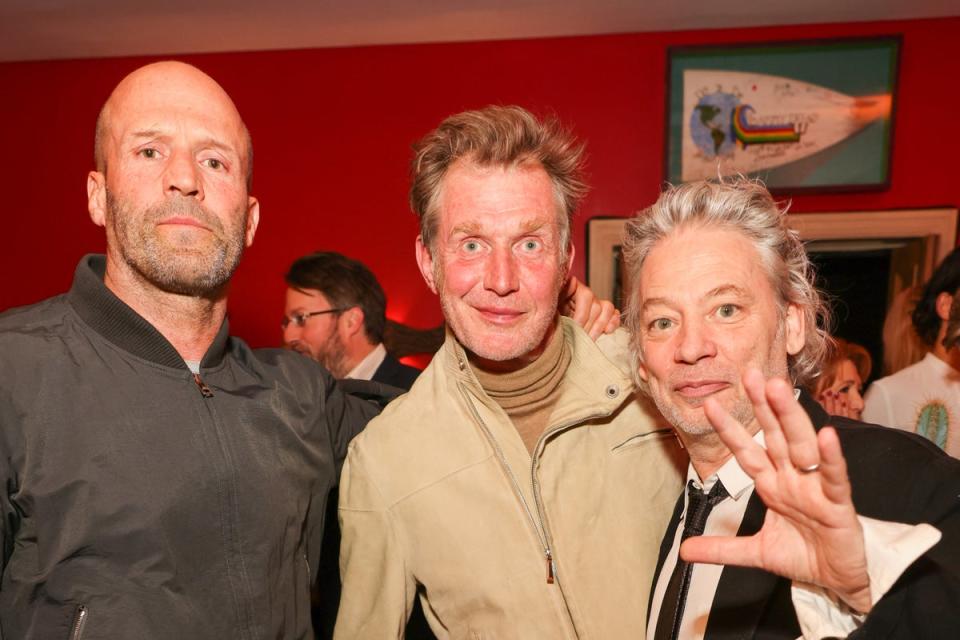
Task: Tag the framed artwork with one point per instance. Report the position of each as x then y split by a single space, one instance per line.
801 116
605 267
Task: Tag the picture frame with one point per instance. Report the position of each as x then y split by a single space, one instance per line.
803 116
935 229
605 267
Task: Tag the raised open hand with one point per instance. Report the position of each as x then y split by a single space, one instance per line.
810 532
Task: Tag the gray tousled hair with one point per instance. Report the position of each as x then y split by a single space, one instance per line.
747 207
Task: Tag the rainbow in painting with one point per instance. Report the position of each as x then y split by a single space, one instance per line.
748 134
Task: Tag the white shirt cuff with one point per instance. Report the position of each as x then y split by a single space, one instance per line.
890 547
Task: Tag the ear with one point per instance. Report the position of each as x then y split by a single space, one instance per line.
351 321
425 262
643 372
568 267
795 328
253 220
944 302
97 198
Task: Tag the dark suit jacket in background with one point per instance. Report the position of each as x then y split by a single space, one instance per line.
396 374
896 476
393 372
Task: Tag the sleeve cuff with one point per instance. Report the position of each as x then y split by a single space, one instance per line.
890 547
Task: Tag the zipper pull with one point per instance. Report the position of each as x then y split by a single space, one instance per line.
550 567
204 389
79 620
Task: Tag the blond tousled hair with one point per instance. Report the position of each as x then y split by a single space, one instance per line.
507 136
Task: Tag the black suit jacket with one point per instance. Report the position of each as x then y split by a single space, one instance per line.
327 599
393 372
895 476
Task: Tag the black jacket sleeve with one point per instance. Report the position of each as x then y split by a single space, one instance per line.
920 484
349 406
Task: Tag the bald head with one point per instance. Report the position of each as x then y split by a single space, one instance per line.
168 84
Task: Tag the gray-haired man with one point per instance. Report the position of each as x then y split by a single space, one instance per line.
723 301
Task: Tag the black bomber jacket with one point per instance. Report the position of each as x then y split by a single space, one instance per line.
141 501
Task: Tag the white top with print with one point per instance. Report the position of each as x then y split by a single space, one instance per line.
923 398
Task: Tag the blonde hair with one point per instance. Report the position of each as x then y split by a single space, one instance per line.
497 136
840 350
747 207
902 345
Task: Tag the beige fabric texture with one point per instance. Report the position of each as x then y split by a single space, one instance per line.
439 494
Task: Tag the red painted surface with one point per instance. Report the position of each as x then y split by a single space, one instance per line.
333 127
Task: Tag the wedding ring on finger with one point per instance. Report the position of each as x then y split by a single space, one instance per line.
811 469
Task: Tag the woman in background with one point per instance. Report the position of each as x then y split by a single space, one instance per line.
902 346
839 388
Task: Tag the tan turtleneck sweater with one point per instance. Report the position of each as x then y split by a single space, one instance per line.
529 395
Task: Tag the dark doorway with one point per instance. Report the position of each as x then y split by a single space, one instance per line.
856 286
860 279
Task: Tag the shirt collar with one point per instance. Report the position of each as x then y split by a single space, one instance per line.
735 480
369 365
934 362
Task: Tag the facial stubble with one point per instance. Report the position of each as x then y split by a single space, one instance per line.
526 343
170 264
742 408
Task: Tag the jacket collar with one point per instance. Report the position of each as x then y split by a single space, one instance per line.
116 322
751 603
816 412
597 386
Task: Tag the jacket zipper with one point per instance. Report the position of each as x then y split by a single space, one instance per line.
204 389
538 501
238 579
513 479
539 524
78 622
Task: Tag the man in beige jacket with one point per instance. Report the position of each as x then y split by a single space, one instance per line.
520 488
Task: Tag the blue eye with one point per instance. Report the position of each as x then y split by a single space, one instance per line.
471 246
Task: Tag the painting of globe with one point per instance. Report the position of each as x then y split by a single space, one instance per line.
711 124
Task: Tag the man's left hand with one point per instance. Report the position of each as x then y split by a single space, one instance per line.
596 316
811 532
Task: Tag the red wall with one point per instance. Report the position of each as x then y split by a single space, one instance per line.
333 127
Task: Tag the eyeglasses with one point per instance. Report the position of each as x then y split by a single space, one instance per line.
300 319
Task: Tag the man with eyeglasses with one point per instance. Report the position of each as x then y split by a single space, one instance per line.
336 314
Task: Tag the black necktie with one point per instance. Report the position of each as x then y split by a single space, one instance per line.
699 505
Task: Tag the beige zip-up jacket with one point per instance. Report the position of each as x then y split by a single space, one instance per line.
440 496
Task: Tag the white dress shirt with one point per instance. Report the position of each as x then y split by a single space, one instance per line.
891 548
369 365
